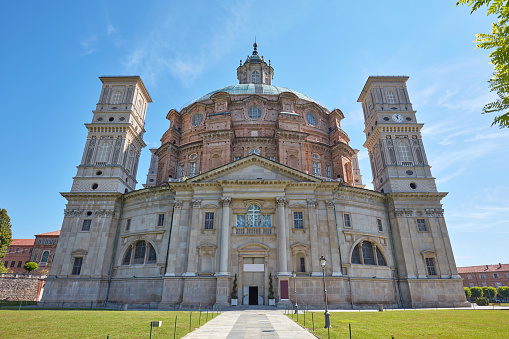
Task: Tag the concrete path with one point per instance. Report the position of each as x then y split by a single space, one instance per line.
251 323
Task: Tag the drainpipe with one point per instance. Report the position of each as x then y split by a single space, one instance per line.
114 251
339 244
169 236
393 251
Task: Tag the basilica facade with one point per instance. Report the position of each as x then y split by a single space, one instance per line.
254 182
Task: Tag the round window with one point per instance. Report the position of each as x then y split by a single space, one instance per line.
413 186
89 213
197 119
408 119
111 119
99 173
311 119
254 113
121 118
409 172
386 118
94 186
100 119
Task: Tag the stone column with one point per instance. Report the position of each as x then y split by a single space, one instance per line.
225 237
315 239
195 226
281 236
334 241
174 246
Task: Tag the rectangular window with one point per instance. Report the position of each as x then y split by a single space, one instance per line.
160 221
327 171
316 169
430 264
23 251
498 285
267 220
471 284
181 173
298 220
469 276
86 225
76 267
209 220
302 264
10 250
421 225
12 264
20 263
379 224
482 276
484 284
192 169
6 264
346 219
128 225
495 275
39 241
17 250
34 257
241 221
48 241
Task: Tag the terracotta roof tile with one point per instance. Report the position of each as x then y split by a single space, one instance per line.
484 268
22 242
49 233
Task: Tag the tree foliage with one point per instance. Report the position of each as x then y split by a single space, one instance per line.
468 294
498 41
503 292
5 236
476 292
30 266
482 301
489 292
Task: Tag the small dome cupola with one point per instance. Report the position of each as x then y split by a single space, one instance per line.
255 70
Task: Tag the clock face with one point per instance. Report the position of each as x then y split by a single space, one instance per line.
397 118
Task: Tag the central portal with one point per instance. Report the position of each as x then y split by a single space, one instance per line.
253 295
253 280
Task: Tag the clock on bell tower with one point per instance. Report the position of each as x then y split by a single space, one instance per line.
393 137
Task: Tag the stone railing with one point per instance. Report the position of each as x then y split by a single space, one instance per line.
254 230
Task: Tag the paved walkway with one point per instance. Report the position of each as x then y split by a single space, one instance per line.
250 324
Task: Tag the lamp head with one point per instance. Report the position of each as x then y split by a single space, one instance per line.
323 261
294 274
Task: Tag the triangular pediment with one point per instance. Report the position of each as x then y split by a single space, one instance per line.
254 167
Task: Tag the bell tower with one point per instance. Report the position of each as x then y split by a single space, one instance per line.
393 137
115 137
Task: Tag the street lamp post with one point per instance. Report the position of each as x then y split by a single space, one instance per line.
295 306
323 261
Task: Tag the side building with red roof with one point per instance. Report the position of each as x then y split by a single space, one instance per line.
18 253
44 248
485 275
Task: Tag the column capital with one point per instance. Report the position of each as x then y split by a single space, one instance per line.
312 202
196 203
225 201
177 204
329 203
281 201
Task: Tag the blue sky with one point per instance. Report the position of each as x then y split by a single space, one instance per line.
53 53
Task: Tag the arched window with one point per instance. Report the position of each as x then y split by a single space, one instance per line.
103 152
127 256
139 252
391 98
255 77
405 154
356 258
152 257
367 253
45 256
117 98
254 216
418 153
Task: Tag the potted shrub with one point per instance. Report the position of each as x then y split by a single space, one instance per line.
234 291
272 299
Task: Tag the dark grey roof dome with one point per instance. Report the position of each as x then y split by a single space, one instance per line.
253 89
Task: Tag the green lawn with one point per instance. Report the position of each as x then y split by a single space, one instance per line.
34 323
412 324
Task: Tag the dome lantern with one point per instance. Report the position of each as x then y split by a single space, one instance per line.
255 70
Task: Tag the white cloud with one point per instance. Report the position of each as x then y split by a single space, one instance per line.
89 45
110 29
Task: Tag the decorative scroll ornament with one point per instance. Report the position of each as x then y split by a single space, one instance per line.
430 212
399 212
329 204
177 204
439 212
73 213
105 213
408 212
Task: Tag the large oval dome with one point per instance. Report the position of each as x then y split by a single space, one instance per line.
253 89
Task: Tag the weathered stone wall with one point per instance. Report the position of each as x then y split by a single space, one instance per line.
15 287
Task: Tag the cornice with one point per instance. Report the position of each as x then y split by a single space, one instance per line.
288 134
144 191
360 192
343 147
102 195
420 196
224 134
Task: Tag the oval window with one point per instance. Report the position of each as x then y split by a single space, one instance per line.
197 119
311 119
254 113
